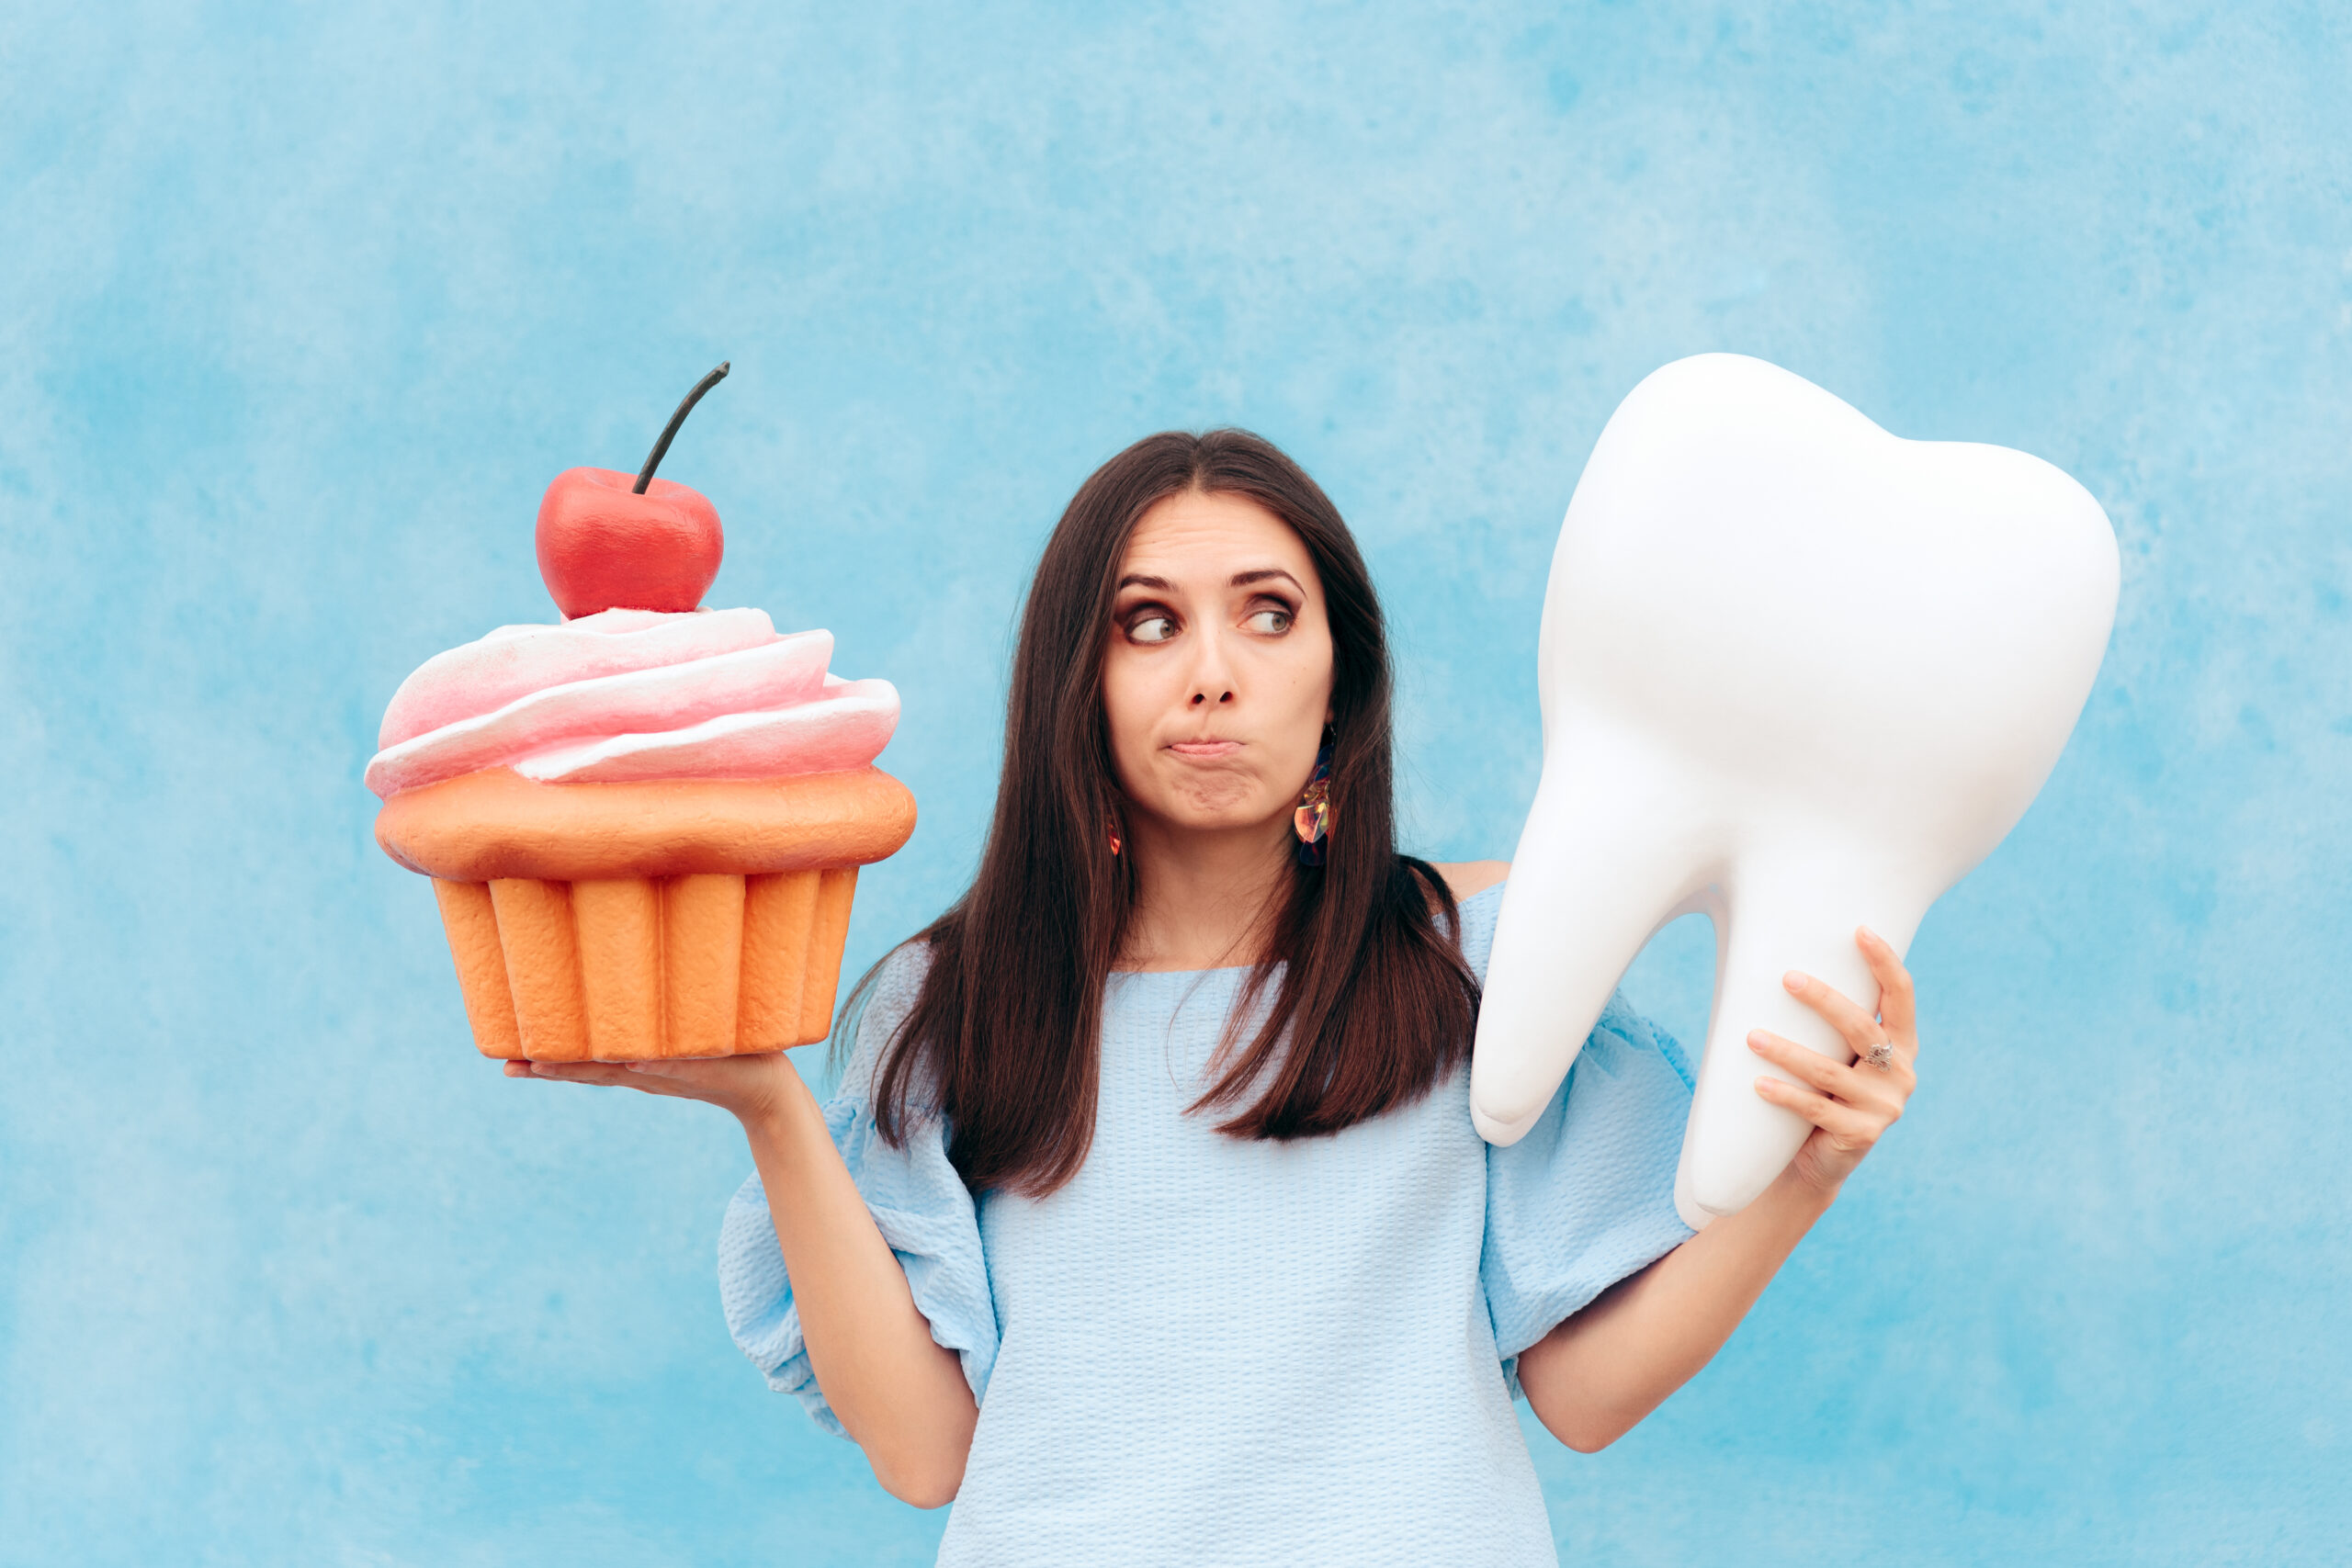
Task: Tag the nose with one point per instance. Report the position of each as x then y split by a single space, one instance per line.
1212 681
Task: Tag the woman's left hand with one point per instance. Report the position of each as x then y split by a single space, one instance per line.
1849 1107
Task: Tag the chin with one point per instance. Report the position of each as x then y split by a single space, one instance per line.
1213 810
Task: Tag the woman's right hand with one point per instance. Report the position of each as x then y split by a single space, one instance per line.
752 1088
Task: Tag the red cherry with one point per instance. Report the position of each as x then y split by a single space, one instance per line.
609 544
601 547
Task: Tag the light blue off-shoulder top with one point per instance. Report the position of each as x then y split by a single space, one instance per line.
1205 1351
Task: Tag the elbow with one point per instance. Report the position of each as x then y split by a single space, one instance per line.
921 1481
916 1451
1584 1429
1587 1439
927 1492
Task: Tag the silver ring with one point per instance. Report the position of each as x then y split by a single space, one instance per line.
1880 1056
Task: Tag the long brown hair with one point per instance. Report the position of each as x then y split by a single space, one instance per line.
1374 1005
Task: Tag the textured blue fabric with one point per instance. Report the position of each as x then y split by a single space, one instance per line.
1573 1207
1205 1350
920 1204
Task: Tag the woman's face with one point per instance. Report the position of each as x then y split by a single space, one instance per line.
1218 678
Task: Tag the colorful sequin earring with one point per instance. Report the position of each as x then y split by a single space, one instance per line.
1312 820
1115 835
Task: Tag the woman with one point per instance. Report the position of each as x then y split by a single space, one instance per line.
1149 1223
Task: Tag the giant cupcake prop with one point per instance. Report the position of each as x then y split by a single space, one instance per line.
643 825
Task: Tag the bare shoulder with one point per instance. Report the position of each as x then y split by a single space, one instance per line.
1464 878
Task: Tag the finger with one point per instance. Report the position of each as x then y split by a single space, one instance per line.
676 1077
1898 1005
1845 1015
708 1079
1850 1125
607 1074
1866 1086
685 1068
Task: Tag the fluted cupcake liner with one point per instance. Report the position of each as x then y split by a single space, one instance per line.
635 968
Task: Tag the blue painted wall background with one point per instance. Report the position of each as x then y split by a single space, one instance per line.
303 306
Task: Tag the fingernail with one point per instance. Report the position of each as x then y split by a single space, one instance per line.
1757 1039
1794 980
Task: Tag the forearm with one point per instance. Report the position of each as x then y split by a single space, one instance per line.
1594 1376
899 1393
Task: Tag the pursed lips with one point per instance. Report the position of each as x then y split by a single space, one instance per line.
1206 750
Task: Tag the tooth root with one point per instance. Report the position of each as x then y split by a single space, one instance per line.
1793 914
1597 870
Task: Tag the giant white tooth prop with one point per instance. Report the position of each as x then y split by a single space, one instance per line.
1796 672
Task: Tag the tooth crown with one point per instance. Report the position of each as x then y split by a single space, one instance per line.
1796 672
1748 557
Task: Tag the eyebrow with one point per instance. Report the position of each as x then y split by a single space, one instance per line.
1240 580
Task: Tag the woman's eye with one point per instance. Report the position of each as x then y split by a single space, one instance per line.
1152 629
1273 621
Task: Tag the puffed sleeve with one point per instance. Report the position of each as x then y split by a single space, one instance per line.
920 1204
1587 1197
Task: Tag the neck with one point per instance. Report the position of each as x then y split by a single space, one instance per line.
1204 898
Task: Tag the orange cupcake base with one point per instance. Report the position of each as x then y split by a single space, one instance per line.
627 923
638 968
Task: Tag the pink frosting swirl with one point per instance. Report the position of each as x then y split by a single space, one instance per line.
633 694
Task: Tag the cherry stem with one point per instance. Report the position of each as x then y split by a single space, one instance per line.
669 432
